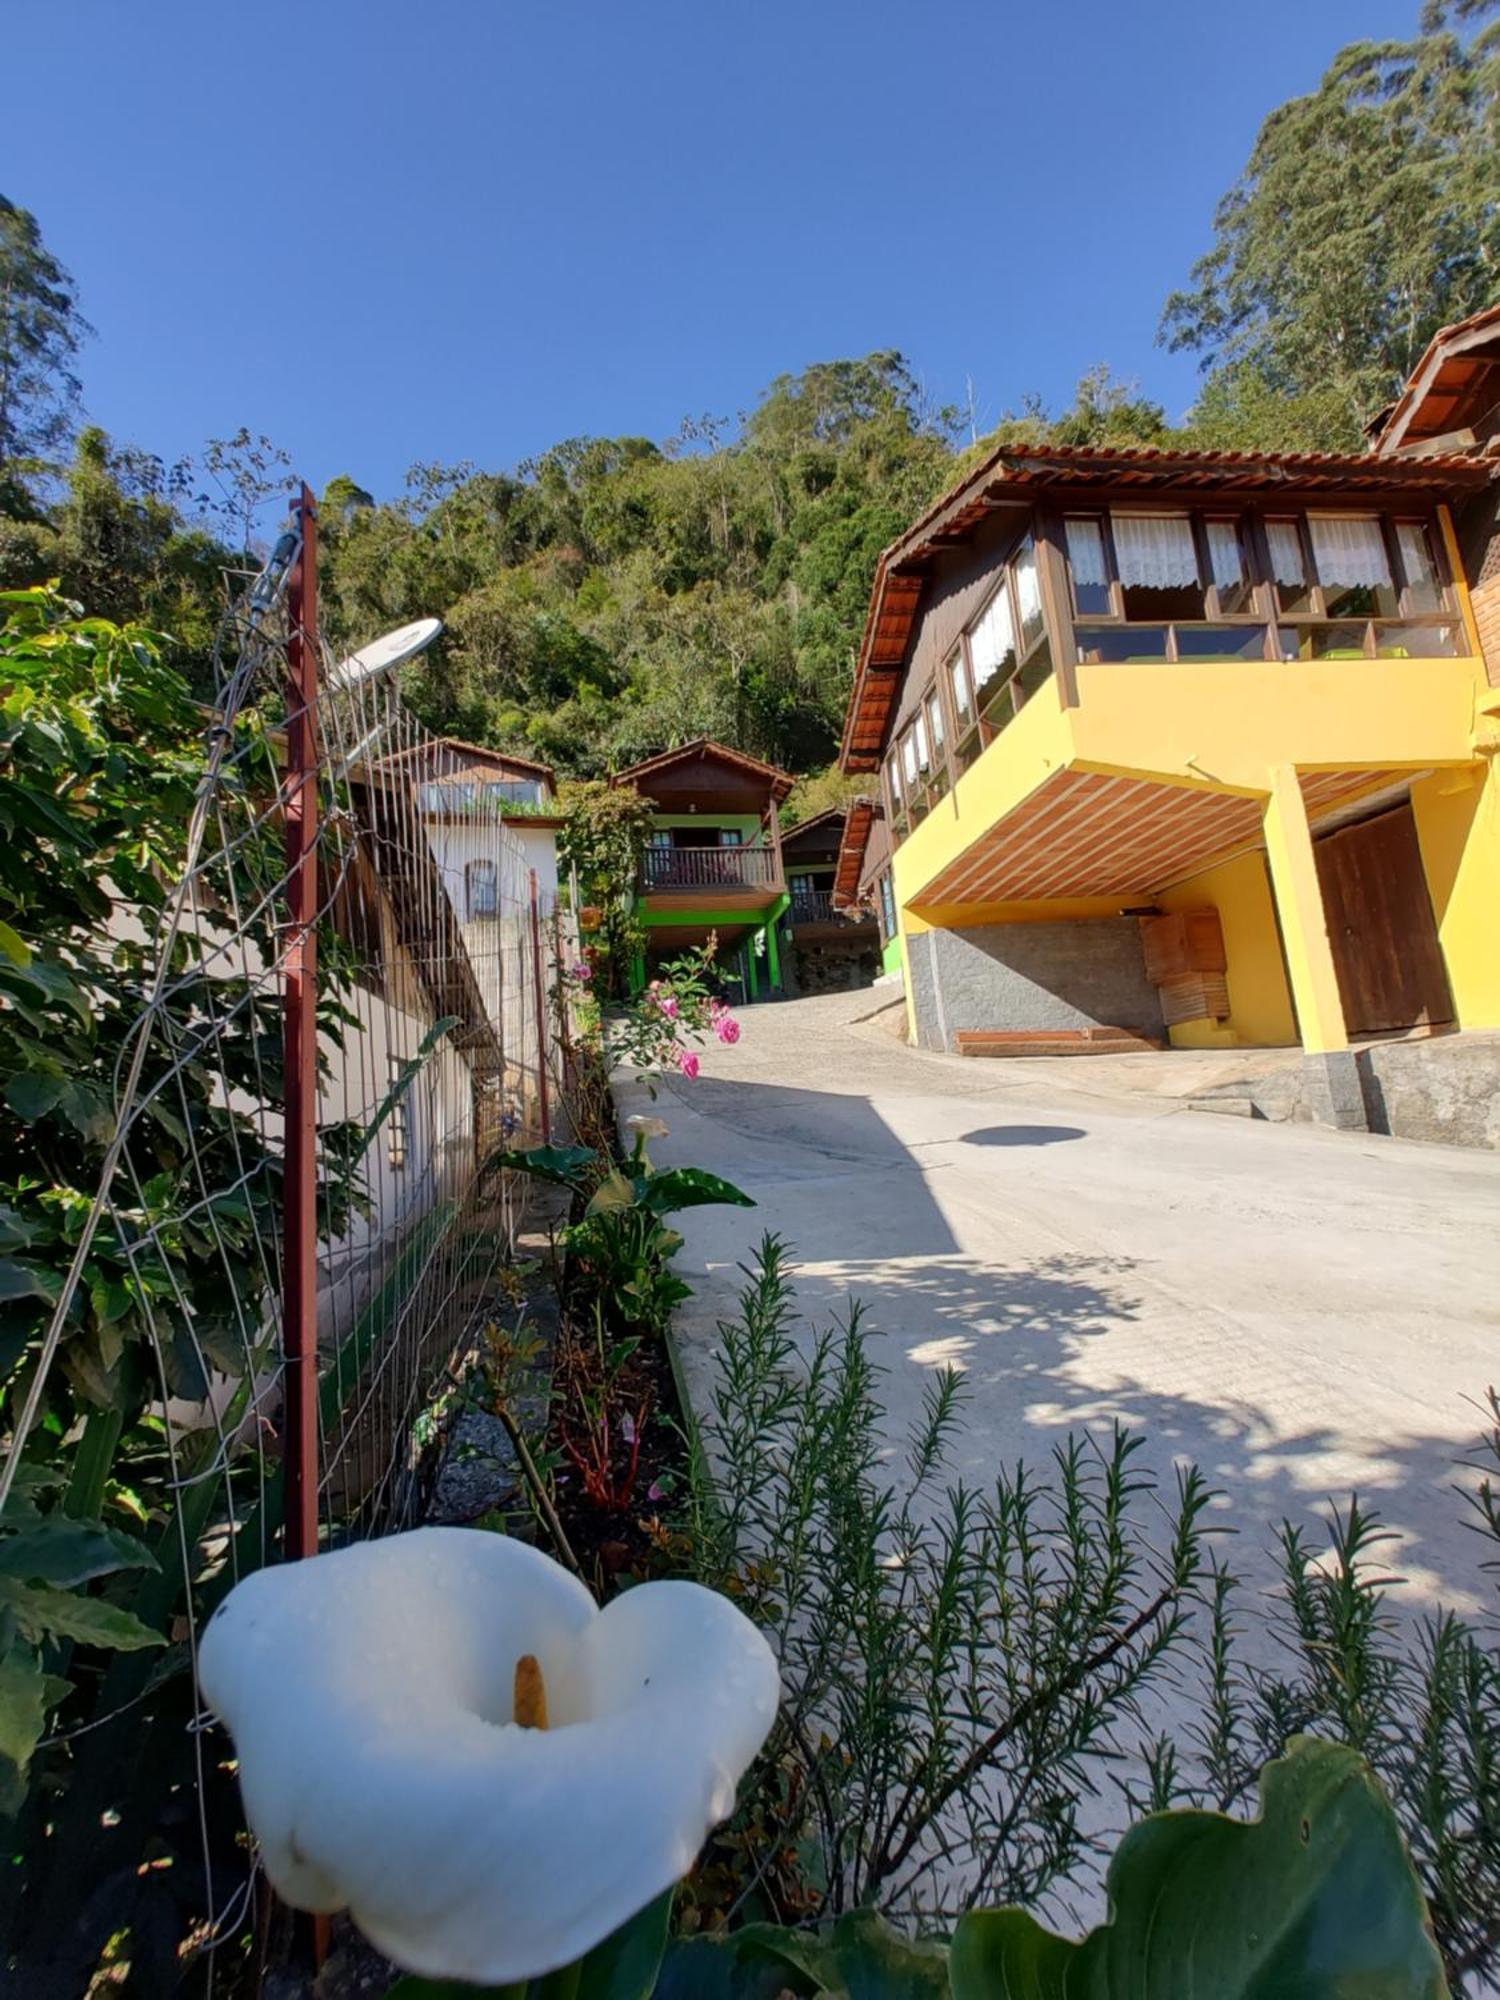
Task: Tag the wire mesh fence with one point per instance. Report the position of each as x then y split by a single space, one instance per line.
343 862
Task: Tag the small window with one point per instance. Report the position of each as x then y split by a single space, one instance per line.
935 726
923 750
887 908
893 777
1353 566
1028 594
1289 567
731 836
1088 566
992 648
1424 583
481 881
962 693
1158 564
1228 570
660 838
398 1124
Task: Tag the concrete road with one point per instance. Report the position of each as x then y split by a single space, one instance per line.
1299 1311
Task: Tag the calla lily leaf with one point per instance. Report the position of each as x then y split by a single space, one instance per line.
565 1166
690 1187
370 1693
1315 1897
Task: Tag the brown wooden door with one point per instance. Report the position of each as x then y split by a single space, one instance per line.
1380 924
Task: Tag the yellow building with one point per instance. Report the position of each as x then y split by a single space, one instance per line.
1189 747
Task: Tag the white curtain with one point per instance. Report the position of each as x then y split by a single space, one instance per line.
1224 554
1028 588
1286 552
1349 550
1416 559
993 637
1086 552
1155 551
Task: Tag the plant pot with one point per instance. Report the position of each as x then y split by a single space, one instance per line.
590 917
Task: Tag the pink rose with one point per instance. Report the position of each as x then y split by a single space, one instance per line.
583 970
727 1028
668 1005
687 1062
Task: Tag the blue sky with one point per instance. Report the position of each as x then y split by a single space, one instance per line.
447 229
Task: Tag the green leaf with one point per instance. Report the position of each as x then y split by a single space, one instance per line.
40 1611
14 946
31 1095
690 1187
65 1552
614 1193
1315 1897
566 1166
625 1966
26 1695
27 1281
746 1965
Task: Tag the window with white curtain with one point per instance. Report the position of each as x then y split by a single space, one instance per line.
1028 594
1424 584
1353 566
1157 560
1087 565
992 644
1288 566
1226 561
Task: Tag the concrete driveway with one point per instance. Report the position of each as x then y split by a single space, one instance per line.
1299 1311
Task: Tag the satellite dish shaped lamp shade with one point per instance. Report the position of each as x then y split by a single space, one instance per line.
382 655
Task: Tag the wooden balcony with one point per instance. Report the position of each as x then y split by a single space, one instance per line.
814 915
751 873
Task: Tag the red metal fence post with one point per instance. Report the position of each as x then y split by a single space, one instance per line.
299 1305
541 1014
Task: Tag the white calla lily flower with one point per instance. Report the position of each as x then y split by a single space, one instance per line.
645 1127
372 1694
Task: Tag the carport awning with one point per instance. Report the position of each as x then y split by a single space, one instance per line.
1091 833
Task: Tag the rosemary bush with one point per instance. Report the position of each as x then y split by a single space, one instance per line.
965 1671
959 1666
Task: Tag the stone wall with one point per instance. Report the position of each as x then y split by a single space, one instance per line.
1084 974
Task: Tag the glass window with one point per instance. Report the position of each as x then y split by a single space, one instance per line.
1227 567
923 749
893 776
482 881
1288 567
1087 566
992 648
1424 584
909 759
660 837
1158 564
935 726
731 836
1028 594
1326 642
887 908
1353 567
1416 642
958 682
398 1121
1221 642
1128 643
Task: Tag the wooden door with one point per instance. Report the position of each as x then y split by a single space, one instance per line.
1380 924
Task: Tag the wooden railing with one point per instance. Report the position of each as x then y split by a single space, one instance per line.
669 868
813 906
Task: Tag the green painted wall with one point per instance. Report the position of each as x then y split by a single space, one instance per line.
747 823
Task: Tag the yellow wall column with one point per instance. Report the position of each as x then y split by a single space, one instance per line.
1299 905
